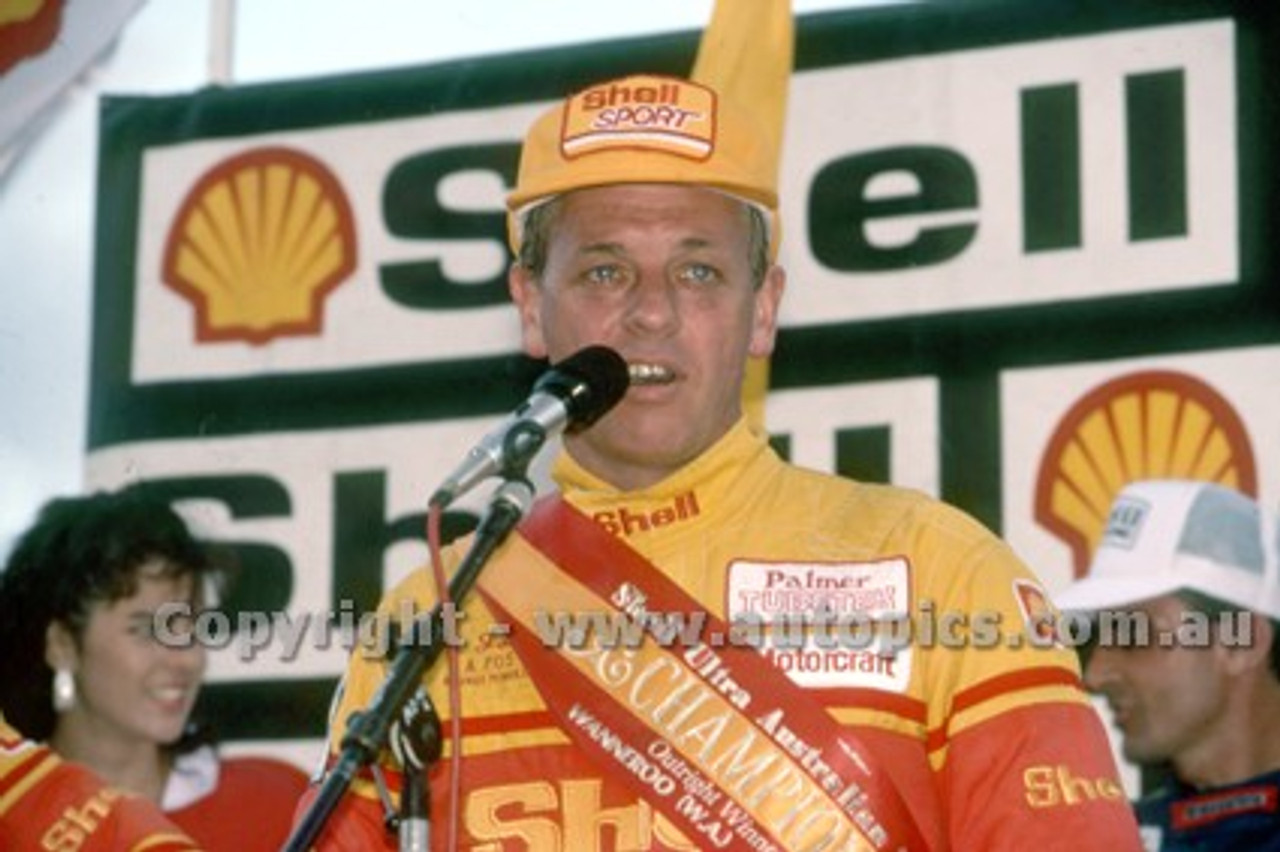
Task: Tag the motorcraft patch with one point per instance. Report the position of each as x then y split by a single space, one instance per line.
828 624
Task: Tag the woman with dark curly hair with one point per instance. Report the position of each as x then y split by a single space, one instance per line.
86 670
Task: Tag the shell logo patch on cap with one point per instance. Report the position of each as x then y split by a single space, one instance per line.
664 114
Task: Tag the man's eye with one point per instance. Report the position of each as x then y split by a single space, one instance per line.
699 273
603 275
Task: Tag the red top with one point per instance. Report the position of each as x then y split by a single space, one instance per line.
250 809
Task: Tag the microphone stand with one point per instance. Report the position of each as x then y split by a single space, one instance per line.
368 730
416 741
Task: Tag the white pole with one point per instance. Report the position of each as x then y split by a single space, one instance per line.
222 30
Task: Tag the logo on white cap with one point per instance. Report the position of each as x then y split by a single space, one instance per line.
1124 524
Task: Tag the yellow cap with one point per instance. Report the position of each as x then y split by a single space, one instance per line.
644 129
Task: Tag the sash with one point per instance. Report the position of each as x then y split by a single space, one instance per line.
700 726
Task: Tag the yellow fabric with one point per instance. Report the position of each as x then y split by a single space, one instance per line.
721 128
643 129
737 504
748 51
749 504
14 752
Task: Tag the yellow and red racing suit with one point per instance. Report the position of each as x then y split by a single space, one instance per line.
979 718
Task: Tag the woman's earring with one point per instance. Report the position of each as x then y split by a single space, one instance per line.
64 690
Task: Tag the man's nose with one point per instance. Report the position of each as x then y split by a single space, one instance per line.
1100 668
653 306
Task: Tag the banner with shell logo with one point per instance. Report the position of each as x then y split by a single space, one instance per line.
1143 425
259 243
1032 253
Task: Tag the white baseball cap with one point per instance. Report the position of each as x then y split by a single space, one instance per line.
1163 536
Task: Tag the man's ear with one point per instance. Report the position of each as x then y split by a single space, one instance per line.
60 651
526 292
764 323
1251 642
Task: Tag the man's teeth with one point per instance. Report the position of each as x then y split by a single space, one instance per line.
649 374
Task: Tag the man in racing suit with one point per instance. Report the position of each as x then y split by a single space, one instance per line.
856 666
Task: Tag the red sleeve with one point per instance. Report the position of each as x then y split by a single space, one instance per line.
1034 778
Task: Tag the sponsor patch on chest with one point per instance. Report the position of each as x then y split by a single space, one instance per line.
825 623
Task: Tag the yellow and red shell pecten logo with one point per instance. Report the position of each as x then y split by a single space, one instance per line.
1038 613
258 244
1147 425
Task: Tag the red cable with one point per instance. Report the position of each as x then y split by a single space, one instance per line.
455 687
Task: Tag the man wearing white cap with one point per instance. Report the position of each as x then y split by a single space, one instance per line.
1186 594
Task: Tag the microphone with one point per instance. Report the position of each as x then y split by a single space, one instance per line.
572 395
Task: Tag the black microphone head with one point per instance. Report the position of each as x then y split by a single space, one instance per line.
589 382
